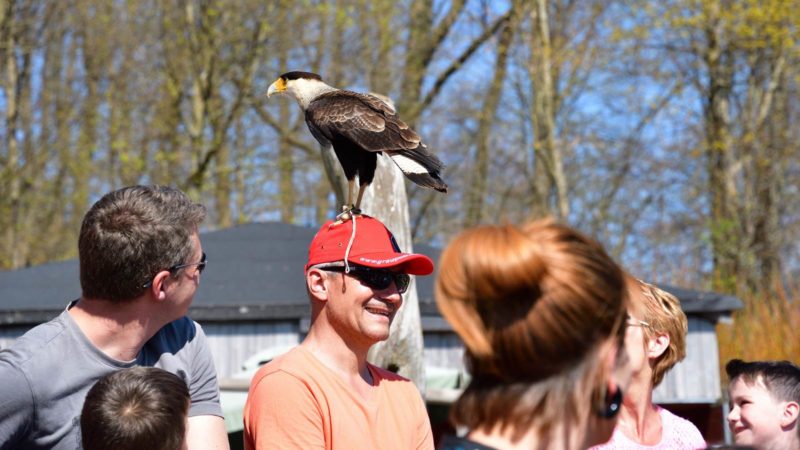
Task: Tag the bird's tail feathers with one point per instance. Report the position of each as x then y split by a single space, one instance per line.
428 180
420 167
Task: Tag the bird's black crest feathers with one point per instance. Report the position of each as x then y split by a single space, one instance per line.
296 75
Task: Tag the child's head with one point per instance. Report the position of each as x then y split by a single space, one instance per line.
140 407
765 403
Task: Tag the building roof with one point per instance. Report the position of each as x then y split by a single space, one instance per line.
255 272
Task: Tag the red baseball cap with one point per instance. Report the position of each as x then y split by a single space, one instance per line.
373 246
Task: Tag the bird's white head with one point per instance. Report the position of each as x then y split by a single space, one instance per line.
303 86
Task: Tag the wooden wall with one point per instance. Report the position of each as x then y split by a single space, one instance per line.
695 380
232 343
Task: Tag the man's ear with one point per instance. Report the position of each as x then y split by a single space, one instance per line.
159 286
791 410
317 284
657 345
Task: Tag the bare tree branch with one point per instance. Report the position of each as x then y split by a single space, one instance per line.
458 62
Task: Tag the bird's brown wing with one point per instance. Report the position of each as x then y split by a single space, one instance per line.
364 120
349 119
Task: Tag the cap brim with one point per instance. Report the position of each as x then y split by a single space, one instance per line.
410 263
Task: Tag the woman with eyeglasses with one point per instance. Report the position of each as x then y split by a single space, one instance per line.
655 341
541 311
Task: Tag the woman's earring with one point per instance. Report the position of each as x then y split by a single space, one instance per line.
611 405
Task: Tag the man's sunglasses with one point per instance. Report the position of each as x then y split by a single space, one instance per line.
375 279
201 266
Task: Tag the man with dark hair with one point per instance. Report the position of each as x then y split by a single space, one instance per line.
140 264
765 404
324 394
134 409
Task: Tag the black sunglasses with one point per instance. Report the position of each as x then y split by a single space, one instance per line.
375 279
201 266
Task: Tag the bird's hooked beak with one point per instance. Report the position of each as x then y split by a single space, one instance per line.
277 87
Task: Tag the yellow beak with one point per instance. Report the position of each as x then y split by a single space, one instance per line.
277 87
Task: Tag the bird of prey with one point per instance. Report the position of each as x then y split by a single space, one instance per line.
358 127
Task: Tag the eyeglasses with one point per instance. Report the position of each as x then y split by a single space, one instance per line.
201 266
375 279
636 322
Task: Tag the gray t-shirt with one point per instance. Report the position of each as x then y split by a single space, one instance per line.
46 374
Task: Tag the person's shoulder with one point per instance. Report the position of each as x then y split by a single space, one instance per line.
681 429
290 368
388 375
178 333
184 326
36 342
30 361
450 442
615 442
397 387
292 362
674 420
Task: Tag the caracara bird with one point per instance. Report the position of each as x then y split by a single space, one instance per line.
359 126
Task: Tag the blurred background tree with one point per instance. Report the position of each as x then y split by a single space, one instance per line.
665 129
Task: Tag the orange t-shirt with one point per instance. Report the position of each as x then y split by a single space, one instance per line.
296 402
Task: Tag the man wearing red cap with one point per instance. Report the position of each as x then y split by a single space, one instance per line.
323 394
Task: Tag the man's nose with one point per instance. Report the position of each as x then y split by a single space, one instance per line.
392 295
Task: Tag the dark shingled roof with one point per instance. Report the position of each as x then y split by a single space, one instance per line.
255 272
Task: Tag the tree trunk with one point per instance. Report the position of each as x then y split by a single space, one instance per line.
421 22
11 188
286 192
477 191
724 226
549 181
769 148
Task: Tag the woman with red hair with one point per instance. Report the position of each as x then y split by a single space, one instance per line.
541 311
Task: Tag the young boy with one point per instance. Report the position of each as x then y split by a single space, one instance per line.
765 404
136 408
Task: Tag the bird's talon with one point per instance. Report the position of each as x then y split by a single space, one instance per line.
343 217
